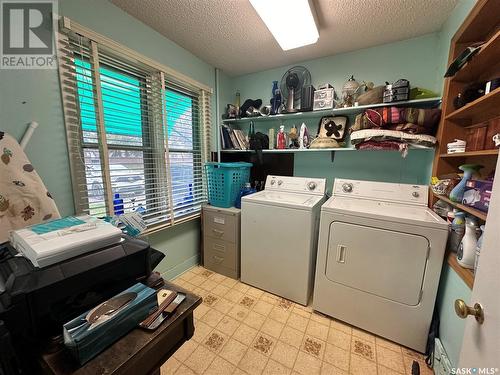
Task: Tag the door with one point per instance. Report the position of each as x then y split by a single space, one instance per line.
481 343
382 262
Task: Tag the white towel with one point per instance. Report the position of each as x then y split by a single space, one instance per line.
24 199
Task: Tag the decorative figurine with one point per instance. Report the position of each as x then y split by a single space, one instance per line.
350 91
281 138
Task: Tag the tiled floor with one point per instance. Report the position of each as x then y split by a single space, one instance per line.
243 330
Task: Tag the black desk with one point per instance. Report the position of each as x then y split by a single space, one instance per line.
139 352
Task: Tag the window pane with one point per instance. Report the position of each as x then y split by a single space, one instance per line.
95 187
179 120
85 88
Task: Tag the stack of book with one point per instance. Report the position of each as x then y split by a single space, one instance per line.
233 139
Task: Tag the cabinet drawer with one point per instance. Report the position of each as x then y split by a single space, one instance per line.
222 253
220 226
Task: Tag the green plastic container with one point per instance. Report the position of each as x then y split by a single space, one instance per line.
224 182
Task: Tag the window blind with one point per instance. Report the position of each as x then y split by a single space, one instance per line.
137 138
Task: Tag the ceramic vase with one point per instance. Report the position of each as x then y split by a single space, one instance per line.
469 170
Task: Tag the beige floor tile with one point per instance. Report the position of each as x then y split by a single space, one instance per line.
269 298
216 277
272 328
362 366
197 270
285 354
412 354
253 362
275 368
254 292
200 311
245 334
238 312
220 366
223 305
254 320
363 348
209 285
341 326
183 370
186 276
200 359
247 301
285 304
221 290
379 341
212 317
233 351
367 336
239 371
339 338
229 282
297 310
313 346
279 314
292 336
233 296
197 280
201 331
320 318
228 325
215 340
211 300
328 369
297 322
264 343
307 364
185 350
206 273
318 330
390 359
240 287
262 307
169 367
337 357
387 371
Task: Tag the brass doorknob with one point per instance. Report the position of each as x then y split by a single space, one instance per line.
463 311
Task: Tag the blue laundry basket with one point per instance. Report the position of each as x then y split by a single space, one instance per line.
224 182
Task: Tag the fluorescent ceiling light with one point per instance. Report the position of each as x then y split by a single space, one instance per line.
290 21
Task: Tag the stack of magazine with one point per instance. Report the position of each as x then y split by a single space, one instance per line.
233 139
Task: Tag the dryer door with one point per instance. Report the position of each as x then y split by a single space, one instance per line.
382 262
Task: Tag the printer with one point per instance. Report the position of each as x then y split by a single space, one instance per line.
36 302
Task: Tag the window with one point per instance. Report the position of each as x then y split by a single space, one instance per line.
137 137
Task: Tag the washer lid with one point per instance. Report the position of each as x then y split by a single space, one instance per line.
278 198
396 212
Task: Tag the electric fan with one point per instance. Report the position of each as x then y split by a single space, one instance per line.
291 86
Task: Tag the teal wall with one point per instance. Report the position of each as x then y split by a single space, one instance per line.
28 95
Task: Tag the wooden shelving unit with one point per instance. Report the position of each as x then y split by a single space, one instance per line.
482 25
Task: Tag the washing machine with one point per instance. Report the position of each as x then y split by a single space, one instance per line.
380 254
279 231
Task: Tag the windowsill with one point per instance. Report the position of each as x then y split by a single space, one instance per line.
161 227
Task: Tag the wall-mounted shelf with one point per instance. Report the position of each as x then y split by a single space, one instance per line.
484 107
294 150
336 111
471 153
472 211
464 273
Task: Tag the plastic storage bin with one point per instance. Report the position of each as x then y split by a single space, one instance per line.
224 182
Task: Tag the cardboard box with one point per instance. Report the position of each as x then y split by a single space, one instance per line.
477 194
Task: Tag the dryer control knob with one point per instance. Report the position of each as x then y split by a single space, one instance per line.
311 185
415 194
347 187
273 182
280 182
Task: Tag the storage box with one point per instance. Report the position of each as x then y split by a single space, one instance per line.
475 137
324 99
86 340
477 194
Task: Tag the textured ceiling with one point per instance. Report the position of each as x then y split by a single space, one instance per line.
230 35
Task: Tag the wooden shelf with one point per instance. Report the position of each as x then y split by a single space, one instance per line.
482 62
432 102
465 274
486 106
471 153
293 150
479 214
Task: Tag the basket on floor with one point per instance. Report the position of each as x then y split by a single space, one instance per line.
224 182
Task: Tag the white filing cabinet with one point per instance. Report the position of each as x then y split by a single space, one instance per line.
221 240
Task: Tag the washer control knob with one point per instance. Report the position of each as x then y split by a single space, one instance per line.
415 194
273 182
347 187
311 185
280 182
